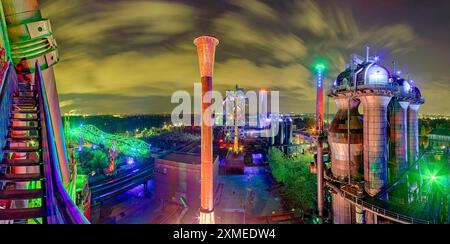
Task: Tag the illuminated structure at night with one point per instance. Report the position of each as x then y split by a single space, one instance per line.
32 145
177 176
360 145
320 122
234 112
206 48
128 146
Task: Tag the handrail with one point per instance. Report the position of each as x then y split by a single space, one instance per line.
8 86
377 210
393 216
60 207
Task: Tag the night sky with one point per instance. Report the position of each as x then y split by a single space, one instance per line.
129 56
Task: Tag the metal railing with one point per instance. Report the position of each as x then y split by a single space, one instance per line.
358 201
8 86
60 207
382 212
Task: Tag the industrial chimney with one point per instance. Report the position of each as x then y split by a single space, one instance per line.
206 47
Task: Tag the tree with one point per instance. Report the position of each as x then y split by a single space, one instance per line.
92 160
299 184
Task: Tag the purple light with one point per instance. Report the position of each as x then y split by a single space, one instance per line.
377 58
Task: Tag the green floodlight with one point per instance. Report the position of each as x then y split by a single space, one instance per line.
319 64
433 178
320 67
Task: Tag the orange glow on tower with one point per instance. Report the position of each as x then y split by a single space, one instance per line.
206 47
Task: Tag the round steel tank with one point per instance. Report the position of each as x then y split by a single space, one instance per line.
279 138
398 136
413 133
339 140
375 141
342 210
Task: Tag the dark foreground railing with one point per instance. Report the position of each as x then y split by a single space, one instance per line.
8 85
60 207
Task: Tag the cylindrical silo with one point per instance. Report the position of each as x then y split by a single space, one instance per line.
375 141
339 145
398 135
279 138
338 140
342 210
413 133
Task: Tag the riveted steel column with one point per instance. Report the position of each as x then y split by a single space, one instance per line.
375 142
338 140
413 133
398 135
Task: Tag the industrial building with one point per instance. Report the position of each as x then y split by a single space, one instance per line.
370 150
178 175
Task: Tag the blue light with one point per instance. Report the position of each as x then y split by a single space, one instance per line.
319 78
130 161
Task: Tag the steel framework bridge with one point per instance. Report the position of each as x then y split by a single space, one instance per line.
125 145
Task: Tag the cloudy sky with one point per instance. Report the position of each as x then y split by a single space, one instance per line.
129 56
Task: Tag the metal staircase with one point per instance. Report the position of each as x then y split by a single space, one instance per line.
22 158
30 178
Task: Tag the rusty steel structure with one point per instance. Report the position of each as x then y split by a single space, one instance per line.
368 151
206 47
338 139
342 145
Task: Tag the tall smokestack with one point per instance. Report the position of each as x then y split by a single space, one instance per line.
236 128
262 111
206 47
320 69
